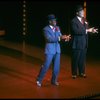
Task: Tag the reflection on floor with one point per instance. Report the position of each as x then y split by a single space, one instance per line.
20 64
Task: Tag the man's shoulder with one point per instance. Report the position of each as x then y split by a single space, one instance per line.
74 19
46 27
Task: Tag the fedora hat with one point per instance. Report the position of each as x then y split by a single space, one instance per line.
51 17
79 8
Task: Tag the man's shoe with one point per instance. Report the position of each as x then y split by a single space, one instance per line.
74 76
38 83
83 75
55 83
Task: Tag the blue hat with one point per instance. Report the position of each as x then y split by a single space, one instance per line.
51 17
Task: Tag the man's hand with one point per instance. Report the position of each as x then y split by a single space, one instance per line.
65 37
68 37
93 30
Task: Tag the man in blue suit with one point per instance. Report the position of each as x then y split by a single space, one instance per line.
79 40
52 36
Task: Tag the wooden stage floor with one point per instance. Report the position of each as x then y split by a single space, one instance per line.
20 64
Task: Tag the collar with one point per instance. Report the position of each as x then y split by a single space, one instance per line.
51 26
79 18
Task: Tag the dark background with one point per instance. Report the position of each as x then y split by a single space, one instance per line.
11 21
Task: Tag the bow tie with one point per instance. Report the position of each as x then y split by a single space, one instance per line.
55 29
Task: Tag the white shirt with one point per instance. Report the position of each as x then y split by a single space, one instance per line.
79 19
52 28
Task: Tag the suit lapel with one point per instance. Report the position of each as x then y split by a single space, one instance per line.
50 29
80 24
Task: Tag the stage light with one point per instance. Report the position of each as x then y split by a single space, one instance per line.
24 18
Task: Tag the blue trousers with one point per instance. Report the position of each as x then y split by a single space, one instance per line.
55 58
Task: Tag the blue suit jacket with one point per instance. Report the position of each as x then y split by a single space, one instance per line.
79 37
52 42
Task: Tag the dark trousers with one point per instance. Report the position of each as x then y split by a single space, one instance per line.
78 61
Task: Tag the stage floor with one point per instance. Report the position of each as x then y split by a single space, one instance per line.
20 64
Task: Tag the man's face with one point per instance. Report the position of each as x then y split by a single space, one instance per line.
53 22
80 13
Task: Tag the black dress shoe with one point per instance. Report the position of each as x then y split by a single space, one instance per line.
83 75
74 76
55 83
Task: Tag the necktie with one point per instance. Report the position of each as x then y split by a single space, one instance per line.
82 20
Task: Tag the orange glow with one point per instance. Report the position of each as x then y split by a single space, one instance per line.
85 9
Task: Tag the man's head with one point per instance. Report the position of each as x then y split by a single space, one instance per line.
52 19
80 11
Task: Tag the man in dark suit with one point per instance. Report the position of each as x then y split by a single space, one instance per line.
52 36
79 40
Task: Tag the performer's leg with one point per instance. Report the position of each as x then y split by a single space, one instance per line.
45 67
56 68
75 59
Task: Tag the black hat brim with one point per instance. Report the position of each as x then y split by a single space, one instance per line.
52 19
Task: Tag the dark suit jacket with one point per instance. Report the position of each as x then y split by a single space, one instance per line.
79 37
